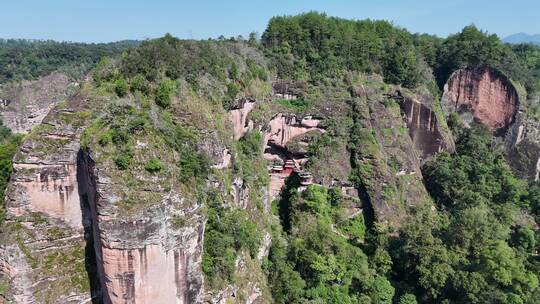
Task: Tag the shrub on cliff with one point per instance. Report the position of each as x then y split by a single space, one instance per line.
153 165
123 161
9 144
121 87
228 233
163 93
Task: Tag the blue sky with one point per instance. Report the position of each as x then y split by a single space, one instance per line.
109 20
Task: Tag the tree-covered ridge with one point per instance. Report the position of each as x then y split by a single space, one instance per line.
30 59
221 70
313 45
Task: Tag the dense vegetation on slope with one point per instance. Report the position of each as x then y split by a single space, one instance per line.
8 147
479 247
30 59
319 257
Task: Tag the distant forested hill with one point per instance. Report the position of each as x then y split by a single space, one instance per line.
523 38
29 59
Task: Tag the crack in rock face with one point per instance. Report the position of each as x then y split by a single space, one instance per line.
483 95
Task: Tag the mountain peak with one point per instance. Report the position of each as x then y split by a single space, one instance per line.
523 38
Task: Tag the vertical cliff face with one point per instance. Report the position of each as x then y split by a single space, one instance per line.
239 117
26 104
281 130
427 131
484 95
43 244
144 257
522 147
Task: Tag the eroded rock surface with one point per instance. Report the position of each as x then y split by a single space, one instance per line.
26 104
283 161
426 130
44 241
238 117
484 95
385 159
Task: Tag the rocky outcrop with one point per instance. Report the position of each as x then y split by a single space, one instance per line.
483 95
385 161
26 104
522 146
288 89
44 249
486 96
68 237
282 128
238 117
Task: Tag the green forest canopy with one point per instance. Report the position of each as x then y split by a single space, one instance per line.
29 59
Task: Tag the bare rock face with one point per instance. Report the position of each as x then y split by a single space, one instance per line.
484 95
238 117
522 147
26 104
283 128
280 131
428 134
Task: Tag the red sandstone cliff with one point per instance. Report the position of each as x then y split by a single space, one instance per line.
44 244
483 93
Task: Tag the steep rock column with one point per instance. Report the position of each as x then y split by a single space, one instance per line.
151 254
238 118
43 246
385 161
427 132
